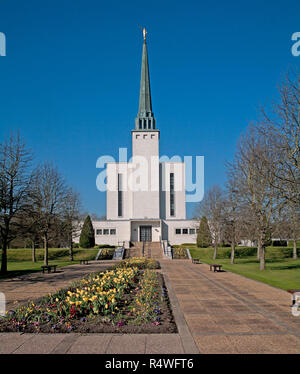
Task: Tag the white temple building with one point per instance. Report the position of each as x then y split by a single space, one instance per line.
145 198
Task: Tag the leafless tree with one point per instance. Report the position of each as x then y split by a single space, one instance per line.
15 182
233 218
70 218
213 207
287 225
281 125
48 196
253 179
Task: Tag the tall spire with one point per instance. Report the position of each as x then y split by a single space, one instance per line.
145 118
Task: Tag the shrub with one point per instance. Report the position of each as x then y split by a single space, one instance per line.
87 236
279 243
75 245
203 235
180 253
106 254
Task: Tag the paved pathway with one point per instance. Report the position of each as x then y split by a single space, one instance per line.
215 313
31 286
227 313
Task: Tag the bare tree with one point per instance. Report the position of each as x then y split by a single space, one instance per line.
48 195
282 128
213 207
70 218
287 225
232 217
253 176
15 181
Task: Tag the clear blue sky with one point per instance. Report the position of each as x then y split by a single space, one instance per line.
70 79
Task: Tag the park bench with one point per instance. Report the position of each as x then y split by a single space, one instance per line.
49 267
195 261
216 267
293 292
84 262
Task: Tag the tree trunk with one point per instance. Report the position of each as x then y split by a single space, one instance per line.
4 257
33 251
215 251
262 261
259 248
295 255
232 252
71 250
45 250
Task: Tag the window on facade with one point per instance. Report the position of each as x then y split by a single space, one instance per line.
105 231
120 196
178 231
185 231
192 231
112 231
172 195
99 232
140 124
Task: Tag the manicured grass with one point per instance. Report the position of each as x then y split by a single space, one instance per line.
19 260
283 273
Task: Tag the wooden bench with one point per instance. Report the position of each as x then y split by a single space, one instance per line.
216 267
84 262
195 261
294 296
49 267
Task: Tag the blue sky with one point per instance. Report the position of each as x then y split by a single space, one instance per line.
70 80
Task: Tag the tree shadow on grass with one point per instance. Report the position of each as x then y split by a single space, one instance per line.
285 267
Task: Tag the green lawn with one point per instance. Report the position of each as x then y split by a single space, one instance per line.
19 260
281 272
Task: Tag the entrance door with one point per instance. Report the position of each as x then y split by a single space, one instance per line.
145 233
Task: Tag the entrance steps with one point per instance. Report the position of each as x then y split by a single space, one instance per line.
135 251
151 250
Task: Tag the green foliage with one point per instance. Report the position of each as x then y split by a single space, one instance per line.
291 243
203 236
99 246
75 245
87 236
243 252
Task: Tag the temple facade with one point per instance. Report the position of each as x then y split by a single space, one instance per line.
145 198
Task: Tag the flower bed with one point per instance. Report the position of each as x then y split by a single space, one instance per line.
125 299
106 254
139 262
180 253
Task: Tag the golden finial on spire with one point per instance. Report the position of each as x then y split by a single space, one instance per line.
145 32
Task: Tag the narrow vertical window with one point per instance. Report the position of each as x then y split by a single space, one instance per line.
172 195
120 196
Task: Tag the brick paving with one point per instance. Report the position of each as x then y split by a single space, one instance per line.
215 313
228 313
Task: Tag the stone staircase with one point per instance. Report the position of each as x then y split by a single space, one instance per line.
151 250
135 251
